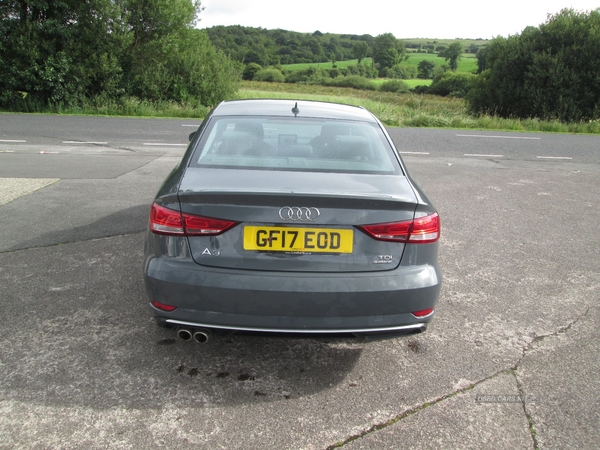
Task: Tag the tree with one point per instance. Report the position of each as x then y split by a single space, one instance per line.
334 50
387 59
252 56
171 60
58 53
426 69
481 56
66 52
452 54
550 72
360 49
284 46
333 59
155 28
387 51
196 72
316 49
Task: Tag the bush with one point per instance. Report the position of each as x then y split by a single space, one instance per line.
394 86
250 70
310 75
452 84
352 81
400 72
362 70
270 75
440 70
334 73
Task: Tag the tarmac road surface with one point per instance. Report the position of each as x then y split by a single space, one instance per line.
511 359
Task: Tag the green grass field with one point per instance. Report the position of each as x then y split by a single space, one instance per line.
468 62
326 65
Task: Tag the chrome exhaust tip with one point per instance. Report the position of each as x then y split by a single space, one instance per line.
202 336
184 334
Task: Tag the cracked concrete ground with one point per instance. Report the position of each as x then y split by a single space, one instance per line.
510 361
565 413
458 421
512 407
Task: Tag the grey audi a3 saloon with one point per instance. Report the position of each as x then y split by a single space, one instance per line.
292 217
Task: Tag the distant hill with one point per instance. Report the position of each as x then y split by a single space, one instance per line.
272 47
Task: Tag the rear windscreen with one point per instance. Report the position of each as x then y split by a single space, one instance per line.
295 144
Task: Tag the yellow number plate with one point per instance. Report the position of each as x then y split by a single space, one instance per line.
306 240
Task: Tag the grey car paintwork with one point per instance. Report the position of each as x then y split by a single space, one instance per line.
369 197
226 297
235 299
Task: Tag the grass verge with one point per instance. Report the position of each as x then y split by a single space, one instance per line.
124 107
402 110
411 110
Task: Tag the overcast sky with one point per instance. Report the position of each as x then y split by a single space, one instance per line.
447 19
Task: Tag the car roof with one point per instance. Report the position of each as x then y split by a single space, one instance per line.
283 108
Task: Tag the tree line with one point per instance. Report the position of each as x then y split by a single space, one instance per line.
548 72
273 47
70 52
281 47
67 52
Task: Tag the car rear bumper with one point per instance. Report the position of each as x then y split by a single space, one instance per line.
298 303
374 331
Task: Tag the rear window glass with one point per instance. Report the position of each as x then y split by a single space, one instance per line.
296 144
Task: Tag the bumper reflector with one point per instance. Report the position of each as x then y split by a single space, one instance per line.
164 307
422 313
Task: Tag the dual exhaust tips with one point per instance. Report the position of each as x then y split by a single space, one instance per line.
200 335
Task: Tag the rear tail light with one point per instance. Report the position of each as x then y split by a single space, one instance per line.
174 223
205 226
165 221
423 230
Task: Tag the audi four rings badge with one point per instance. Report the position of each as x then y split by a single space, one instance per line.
296 213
